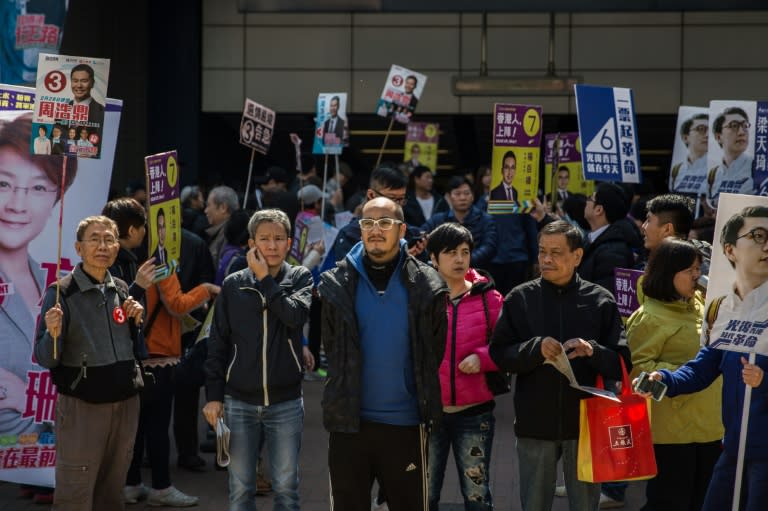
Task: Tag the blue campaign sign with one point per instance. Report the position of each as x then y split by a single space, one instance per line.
608 132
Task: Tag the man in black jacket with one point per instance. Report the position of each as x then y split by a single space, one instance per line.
383 328
253 367
539 320
610 239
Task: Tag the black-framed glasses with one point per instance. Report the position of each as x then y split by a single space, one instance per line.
736 125
397 200
758 235
385 224
701 129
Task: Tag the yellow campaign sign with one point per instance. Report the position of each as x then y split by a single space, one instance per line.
421 143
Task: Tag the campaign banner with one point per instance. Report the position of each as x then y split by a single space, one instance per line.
608 131
515 158
401 94
761 148
69 106
737 295
730 158
421 142
689 156
628 293
257 126
568 176
26 29
27 443
331 126
162 172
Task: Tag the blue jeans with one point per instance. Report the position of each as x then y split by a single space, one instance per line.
280 425
754 485
538 475
471 438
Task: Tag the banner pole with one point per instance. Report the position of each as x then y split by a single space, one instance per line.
384 143
742 441
58 248
553 173
325 182
338 181
248 182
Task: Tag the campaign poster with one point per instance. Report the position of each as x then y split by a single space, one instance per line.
568 177
689 156
27 28
608 131
761 148
731 155
71 94
257 126
30 202
737 295
164 211
515 159
402 92
421 142
628 292
331 125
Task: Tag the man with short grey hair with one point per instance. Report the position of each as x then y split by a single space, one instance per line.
222 202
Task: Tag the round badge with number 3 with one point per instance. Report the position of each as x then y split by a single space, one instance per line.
118 314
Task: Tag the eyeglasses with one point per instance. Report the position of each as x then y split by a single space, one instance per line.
397 200
758 235
701 129
36 191
97 241
736 125
385 224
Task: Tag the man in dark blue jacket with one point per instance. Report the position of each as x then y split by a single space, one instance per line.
384 333
253 367
480 224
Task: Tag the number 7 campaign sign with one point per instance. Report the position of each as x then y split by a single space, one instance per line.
257 126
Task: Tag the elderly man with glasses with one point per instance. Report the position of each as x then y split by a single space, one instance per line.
383 328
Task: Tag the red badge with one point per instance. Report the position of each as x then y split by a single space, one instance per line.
118 315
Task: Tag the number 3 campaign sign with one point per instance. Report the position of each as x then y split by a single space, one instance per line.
70 99
257 126
608 131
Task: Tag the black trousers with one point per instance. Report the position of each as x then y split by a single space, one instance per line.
186 409
683 476
396 456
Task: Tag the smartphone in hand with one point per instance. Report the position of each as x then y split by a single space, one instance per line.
657 389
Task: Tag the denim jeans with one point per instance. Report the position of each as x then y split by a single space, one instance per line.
754 485
538 475
281 426
471 438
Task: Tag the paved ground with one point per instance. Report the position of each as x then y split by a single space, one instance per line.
211 485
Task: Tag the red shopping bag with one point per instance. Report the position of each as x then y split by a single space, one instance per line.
615 442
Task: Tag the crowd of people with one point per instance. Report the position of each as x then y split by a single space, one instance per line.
415 317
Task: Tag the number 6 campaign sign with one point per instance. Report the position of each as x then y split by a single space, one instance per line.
608 132
257 126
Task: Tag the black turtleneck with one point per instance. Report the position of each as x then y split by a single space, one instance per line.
379 274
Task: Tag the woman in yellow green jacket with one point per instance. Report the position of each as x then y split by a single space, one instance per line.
664 333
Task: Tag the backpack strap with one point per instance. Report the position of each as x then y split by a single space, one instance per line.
711 315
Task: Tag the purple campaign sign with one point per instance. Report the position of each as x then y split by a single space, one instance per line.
626 284
568 152
162 173
517 125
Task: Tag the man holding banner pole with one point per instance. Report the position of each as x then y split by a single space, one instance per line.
732 335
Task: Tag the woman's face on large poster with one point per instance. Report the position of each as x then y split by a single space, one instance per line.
27 197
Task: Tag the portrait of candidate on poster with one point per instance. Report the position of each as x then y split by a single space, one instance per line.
736 313
331 126
402 92
731 149
689 156
71 95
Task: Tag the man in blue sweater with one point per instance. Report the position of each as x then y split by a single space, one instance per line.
383 328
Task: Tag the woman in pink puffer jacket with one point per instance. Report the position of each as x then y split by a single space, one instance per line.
468 422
